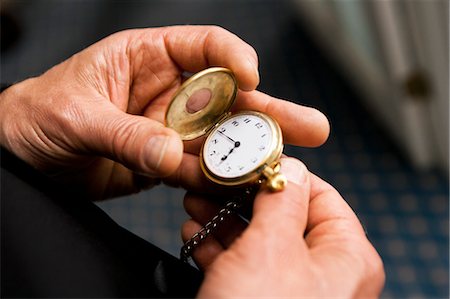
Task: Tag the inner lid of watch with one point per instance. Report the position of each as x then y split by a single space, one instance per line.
201 101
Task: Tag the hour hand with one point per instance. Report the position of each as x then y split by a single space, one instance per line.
236 144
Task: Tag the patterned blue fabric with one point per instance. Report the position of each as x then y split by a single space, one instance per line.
404 210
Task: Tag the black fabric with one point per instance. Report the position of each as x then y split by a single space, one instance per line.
57 244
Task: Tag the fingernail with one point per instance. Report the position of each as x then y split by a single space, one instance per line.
294 170
154 152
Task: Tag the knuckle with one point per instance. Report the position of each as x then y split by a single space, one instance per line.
376 267
217 30
124 134
373 275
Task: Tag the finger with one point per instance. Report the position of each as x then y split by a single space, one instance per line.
141 144
203 210
338 243
207 251
284 211
329 213
194 48
122 182
194 146
301 126
190 176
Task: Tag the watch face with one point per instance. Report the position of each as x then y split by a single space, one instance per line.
238 146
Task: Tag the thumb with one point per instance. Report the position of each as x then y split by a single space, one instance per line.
276 211
139 143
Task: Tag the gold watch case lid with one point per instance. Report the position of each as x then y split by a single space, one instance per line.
221 88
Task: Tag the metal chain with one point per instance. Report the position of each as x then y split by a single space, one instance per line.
211 226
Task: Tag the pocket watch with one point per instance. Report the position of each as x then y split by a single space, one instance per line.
240 149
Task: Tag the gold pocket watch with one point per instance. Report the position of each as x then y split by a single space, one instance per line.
240 149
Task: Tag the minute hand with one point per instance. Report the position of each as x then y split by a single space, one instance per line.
226 136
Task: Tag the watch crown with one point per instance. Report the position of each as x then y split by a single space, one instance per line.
275 181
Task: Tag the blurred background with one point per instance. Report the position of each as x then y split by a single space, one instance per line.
377 69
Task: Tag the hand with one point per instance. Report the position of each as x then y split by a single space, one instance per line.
302 242
96 120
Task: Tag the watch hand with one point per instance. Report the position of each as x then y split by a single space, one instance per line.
226 136
236 144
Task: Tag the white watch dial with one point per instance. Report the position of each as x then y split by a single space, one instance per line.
238 146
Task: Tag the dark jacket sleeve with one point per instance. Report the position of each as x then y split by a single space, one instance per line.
57 244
